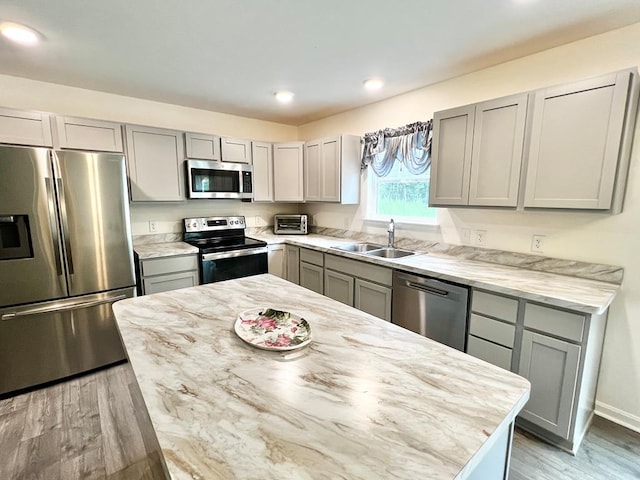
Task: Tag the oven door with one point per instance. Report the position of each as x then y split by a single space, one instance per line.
217 267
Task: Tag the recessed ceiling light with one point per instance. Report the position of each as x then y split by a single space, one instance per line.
373 84
19 34
284 96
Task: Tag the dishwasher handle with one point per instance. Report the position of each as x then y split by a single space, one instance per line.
427 289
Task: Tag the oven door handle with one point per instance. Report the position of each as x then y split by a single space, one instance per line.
234 253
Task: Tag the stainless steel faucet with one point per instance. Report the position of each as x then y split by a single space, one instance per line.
390 230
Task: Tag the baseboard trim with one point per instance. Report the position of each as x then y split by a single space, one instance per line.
618 416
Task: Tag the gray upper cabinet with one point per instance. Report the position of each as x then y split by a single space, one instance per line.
202 146
580 143
332 170
496 158
451 156
262 154
235 150
155 160
287 172
85 134
25 128
477 153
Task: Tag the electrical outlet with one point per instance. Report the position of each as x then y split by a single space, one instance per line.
480 237
537 243
465 235
259 222
153 226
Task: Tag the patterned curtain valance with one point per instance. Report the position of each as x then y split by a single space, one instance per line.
410 145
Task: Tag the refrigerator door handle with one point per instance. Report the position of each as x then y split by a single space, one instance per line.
55 234
65 225
71 306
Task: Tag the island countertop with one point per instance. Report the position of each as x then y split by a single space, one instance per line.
364 400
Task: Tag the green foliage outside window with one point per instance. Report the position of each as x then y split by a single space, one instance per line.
404 198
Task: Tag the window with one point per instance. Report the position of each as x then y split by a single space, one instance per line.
398 162
400 195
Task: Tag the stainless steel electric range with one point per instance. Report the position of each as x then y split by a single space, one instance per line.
225 251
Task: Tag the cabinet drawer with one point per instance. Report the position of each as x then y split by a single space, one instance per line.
492 330
489 352
368 271
159 266
556 322
496 306
174 281
311 256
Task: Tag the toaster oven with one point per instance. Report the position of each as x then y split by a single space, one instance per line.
293 224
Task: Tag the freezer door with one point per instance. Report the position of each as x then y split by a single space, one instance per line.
94 213
47 342
31 267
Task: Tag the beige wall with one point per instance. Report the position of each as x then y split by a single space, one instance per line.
580 236
31 95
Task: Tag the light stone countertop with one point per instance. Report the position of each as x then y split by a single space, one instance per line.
365 400
583 295
168 249
579 294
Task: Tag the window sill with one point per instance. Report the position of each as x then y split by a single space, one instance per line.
427 222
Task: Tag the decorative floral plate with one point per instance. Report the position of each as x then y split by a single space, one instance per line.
272 329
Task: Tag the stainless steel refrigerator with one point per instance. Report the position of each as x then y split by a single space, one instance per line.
65 256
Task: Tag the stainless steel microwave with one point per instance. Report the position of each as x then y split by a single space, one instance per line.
294 224
207 179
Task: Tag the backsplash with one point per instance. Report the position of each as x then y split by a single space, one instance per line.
572 268
592 271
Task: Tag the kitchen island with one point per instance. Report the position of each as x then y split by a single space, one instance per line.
365 399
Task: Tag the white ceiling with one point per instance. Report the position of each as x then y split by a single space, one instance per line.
232 55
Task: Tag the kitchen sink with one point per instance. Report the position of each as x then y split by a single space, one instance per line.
358 247
390 253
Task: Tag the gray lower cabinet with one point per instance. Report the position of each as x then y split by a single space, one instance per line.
292 262
276 260
557 350
373 298
551 365
168 273
312 277
312 270
362 285
492 328
339 286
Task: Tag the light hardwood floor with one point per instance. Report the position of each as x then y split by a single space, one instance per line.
96 427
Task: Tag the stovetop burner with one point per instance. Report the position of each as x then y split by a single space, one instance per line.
218 234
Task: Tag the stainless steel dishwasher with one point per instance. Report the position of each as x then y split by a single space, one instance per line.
430 307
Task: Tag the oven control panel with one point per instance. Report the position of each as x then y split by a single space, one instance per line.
204 224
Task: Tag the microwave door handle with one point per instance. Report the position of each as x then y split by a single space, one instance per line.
55 234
